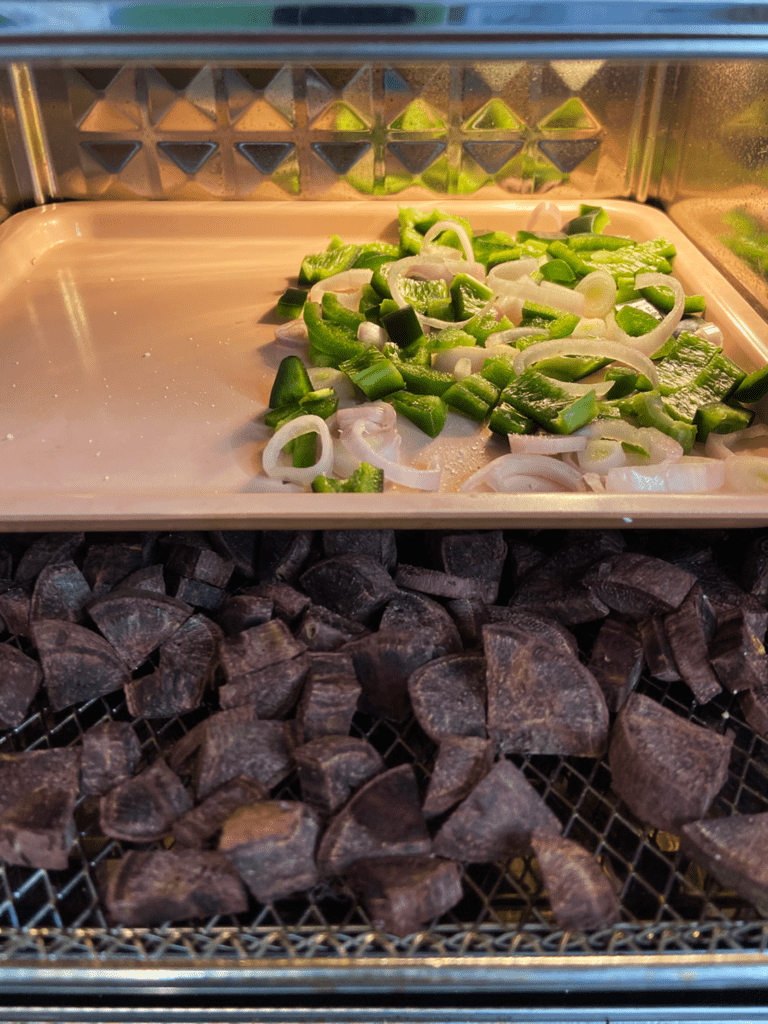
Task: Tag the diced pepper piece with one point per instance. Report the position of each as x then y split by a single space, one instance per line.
387 306
322 403
427 412
373 254
482 327
570 368
414 224
468 296
370 302
505 419
403 326
291 382
721 418
495 247
647 407
451 337
422 294
291 303
499 369
366 479
625 288
373 373
589 242
626 381
635 322
592 219
379 280
334 341
634 449
538 311
753 387
635 259
558 271
322 265
423 380
714 383
337 313
687 357
560 251
664 299
474 396
539 398
304 450
564 325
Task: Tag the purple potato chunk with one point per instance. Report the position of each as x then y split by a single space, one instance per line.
355 586
330 697
111 751
78 664
15 606
657 651
324 630
738 655
442 584
200 564
47 549
136 622
411 611
639 586
616 661
384 817
378 544
61 592
257 648
20 678
754 707
108 565
273 691
38 792
689 630
666 769
239 546
462 762
203 821
271 845
541 699
283 554
146 889
143 808
496 820
383 662
733 851
242 611
288 602
580 894
477 555
448 696
331 768
402 894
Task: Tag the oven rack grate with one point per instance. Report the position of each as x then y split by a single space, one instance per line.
669 904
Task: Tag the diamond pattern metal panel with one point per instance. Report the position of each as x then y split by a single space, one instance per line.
337 132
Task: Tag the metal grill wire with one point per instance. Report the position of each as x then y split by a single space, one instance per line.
669 903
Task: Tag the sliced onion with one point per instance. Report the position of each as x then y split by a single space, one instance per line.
511 271
346 281
513 334
548 468
371 334
461 233
445 359
357 441
720 446
329 377
564 300
590 327
654 339
660 447
544 217
599 291
463 368
293 333
746 474
380 422
545 444
601 454
290 430
600 348
594 482
690 475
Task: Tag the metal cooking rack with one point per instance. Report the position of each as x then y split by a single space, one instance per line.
53 932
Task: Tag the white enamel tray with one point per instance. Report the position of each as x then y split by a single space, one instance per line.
137 353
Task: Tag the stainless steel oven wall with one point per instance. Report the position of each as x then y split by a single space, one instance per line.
209 132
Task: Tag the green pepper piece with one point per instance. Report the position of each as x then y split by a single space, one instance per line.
422 294
290 384
635 259
336 342
499 370
373 373
451 337
505 419
634 449
370 303
625 288
626 381
635 322
414 224
589 242
304 450
539 398
753 387
323 406
557 271
591 219
335 312
664 300
559 250
379 280
366 479
474 396
403 326
423 380
537 311
373 254
427 412
686 358
714 383
291 303
469 296
646 406
721 418
482 327
322 265
564 325
570 368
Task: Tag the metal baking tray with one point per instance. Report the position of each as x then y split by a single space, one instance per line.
138 351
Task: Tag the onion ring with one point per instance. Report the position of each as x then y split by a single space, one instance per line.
545 466
289 431
598 347
356 442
